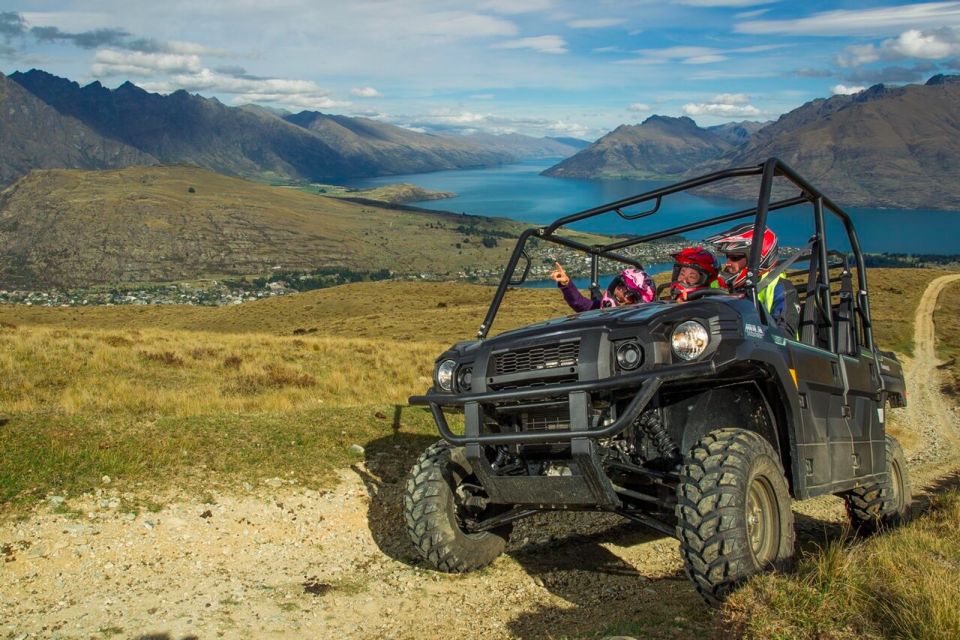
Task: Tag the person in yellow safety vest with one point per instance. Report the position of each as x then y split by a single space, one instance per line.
779 298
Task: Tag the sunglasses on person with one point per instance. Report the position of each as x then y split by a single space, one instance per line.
736 257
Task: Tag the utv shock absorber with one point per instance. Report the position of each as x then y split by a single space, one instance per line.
651 423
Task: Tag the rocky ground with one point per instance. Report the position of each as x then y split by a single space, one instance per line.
274 559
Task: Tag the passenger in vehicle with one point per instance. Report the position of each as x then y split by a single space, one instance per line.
779 298
694 269
630 286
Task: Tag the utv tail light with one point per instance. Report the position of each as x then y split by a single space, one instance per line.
629 356
690 340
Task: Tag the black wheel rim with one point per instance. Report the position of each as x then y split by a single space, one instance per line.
763 520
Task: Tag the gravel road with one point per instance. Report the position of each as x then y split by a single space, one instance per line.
276 560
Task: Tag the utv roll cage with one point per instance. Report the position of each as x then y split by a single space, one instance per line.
818 286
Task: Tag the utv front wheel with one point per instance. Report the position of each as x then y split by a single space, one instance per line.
441 495
882 504
733 511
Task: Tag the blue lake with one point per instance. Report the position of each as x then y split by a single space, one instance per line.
518 191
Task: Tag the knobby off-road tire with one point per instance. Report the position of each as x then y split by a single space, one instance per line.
882 504
733 511
433 511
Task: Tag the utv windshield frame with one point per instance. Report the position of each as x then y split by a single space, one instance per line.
768 170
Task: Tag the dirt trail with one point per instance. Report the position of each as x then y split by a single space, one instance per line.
281 561
929 419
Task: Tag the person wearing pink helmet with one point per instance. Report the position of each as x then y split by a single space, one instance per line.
779 298
630 286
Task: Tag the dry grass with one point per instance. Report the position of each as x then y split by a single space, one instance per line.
947 318
159 372
901 584
144 393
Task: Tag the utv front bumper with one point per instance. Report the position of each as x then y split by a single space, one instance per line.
647 384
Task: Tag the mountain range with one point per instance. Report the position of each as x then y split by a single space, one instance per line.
882 147
128 125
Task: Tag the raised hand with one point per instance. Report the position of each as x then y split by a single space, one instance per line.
559 275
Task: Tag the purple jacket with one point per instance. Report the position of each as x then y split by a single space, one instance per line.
577 301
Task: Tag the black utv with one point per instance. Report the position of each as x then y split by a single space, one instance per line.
701 420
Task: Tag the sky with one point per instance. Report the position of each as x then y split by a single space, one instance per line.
537 67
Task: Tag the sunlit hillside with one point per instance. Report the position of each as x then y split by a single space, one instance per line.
75 228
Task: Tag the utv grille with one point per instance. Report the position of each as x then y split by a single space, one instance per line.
551 356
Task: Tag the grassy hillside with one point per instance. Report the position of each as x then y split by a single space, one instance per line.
147 394
441 312
172 400
74 228
901 584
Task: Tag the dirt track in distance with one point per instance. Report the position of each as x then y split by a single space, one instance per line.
279 561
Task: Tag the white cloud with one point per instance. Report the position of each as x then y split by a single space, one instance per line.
365 92
543 44
705 59
638 107
844 90
513 7
858 54
879 21
468 121
109 62
192 48
731 98
935 44
929 46
721 110
305 101
724 3
694 55
303 94
746 15
595 23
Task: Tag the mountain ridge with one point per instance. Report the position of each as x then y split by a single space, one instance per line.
658 147
882 147
248 141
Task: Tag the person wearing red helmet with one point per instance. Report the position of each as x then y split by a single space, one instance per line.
694 269
779 298
630 286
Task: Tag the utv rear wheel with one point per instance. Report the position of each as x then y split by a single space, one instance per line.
441 495
882 504
733 511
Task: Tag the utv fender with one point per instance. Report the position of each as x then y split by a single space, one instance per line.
743 406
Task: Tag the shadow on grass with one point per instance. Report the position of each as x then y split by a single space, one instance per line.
387 461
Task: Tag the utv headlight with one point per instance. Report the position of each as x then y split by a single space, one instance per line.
689 340
629 356
445 374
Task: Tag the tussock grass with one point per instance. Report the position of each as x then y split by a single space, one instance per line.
894 296
162 408
158 394
899 584
947 318
64 372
